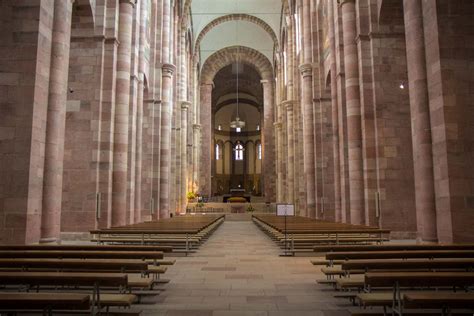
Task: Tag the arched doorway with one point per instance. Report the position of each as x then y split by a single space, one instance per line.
237 159
263 79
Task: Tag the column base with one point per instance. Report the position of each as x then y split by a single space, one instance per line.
50 240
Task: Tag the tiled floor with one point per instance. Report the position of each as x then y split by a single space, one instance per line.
238 272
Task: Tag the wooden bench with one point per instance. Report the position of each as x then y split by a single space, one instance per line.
444 301
355 282
86 254
45 302
400 254
397 280
425 300
392 247
90 247
302 234
183 232
408 264
94 280
83 265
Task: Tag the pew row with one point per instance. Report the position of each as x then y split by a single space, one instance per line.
301 235
183 233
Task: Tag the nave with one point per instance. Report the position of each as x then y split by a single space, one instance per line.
238 272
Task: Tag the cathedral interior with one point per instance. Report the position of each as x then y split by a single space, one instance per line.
122 113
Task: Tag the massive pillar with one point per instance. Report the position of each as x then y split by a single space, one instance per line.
56 121
290 183
356 181
308 138
195 163
184 147
167 72
182 174
268 169
306 70
165 144
206 134
139 154
421 127
122 100
279 168
335 115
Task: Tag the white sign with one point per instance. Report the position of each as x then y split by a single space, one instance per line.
285 210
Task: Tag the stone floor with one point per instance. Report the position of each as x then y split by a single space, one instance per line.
238 272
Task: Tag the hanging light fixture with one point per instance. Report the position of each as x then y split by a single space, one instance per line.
237 123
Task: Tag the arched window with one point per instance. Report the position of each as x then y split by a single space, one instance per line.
218 152
239 152
219 127
258 127
259 151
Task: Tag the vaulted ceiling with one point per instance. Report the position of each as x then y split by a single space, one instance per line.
256 30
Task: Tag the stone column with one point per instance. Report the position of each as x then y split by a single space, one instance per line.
356 181
290 183
335 116
308 147
308 138
195 162
206 134
122 100
155 135
167 72
420 125
56 121
165 144
268 149
279 185
139 153
144 9
184 147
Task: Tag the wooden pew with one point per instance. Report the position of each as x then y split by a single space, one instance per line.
408 264
82 265
90 247
302 234
392 247
182 232
396 280
444 301
350 267
400 254
142 255
46 302
94 280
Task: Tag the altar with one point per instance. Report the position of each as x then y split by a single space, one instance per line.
239 192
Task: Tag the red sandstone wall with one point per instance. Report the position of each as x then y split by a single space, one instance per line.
450 67
25 51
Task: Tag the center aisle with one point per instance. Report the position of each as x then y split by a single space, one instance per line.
238 272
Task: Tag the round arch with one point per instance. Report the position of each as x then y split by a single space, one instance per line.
229 55
236 17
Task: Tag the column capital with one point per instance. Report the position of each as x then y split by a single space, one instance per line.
132 2
210 83
168 70
112 40
306 70
197 126
265 81
341 2
288 104
152 101
185 105
277 125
